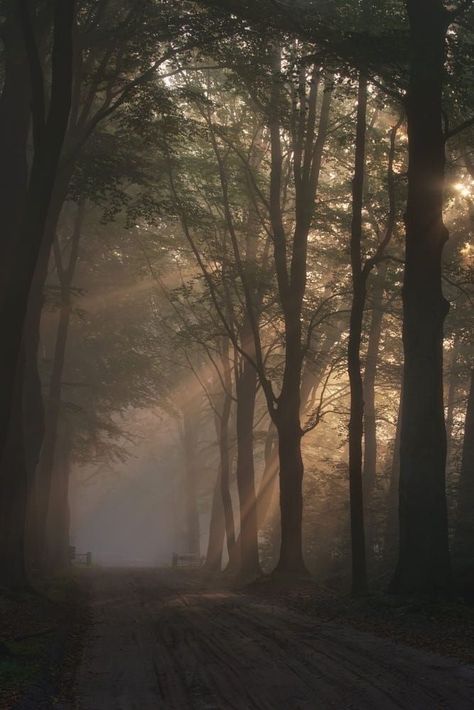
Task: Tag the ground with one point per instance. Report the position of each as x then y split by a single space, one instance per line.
157 639
40 634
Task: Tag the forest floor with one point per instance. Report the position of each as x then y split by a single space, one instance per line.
40 634
162 639
446 628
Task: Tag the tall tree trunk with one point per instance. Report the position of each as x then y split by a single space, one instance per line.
267 487
391 527
369 472
57 526
464 528
14 486
14 126
424 563
308 152
215 545
359 292
311 380
33 426
53 404
190 440
35 410
49 135
451 395
225 480
291 561
246 389
222 420
370 372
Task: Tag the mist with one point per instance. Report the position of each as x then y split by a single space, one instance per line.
236 363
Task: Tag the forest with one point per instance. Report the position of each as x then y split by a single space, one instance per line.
236 362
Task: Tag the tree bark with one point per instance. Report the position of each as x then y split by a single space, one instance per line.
49 136
233 564
57 526
464 528
370 372
14 486
424 562
215 545
190 454
369 472
35 410
46 466
14 126
391 527
308 151
291 561
451 395
224 455
246 389
359 292
267 488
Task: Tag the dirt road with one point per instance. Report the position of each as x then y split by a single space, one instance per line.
156 642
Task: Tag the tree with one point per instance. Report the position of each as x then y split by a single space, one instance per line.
464 529
49 128
360 274
14 127
424 564
46 466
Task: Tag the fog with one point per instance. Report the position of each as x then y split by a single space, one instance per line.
236 354
230 337
128 513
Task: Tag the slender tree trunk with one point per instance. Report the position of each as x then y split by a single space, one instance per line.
215 544
451 396
190 455
33 425
391 527
370 372
225 488
464 529
267 488
369 473
359 284
246 389
424 563
57 527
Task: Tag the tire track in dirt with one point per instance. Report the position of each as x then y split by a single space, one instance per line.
157 641
348 657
